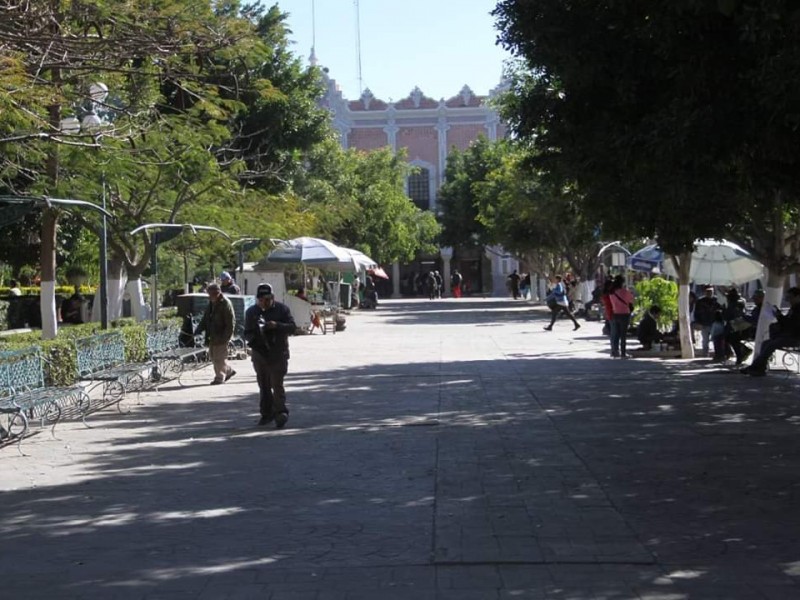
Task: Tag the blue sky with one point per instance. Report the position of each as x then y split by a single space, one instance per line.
438 45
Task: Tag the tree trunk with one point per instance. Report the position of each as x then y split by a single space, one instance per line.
684 318
47 297
773 296
139 309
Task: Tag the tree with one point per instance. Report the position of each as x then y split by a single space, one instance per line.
626 100
359 201
54 50
492 195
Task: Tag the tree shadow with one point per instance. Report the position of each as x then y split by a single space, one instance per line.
552 473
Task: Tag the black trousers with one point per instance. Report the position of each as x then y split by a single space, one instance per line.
270 375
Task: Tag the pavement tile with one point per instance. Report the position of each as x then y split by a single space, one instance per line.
437 450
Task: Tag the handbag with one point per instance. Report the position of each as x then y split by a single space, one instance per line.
630 306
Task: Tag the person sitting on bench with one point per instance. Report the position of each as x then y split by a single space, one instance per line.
783 334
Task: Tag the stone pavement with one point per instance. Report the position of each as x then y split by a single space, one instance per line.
436 450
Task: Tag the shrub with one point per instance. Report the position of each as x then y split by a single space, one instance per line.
3 315
658 291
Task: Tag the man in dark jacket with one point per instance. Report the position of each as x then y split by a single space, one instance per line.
783 334
267 327
218 323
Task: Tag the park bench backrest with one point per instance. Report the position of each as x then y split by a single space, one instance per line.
99 352
21 370
161 338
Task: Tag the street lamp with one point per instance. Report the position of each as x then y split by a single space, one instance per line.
92 124
165 232
245 245
18 206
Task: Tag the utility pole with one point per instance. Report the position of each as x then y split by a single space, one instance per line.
358 48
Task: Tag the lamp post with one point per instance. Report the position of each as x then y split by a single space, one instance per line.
16 207
92 124
245 245
165 232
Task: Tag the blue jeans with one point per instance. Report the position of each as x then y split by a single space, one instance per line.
619 334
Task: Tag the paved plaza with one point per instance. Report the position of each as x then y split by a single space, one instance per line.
442 450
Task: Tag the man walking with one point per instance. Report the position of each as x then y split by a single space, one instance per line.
218 323
267 327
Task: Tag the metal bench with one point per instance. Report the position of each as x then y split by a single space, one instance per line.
25 395
101 361
174 352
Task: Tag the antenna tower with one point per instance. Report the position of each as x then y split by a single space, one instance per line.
358 48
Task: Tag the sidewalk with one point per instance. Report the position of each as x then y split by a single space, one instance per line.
447 449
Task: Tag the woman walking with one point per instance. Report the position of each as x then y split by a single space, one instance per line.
558 302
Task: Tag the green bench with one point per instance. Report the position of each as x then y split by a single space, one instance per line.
26 397
101 362
171 359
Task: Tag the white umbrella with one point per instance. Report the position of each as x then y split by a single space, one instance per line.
360 260
719 262
311 251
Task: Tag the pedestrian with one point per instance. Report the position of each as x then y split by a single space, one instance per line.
455 283
228 285
558 302
14 288
622 306
525 286
430 285
267 327
704 310
513 283
718 337
439 284
218 323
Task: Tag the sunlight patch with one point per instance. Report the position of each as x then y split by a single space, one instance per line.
198 514
685 574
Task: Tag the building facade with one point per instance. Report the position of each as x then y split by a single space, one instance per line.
428 130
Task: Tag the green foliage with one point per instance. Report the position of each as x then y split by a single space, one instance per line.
660 292
3 314
358 200
491 195
627 102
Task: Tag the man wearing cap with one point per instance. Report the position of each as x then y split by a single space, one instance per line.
218 323
228 285
267 327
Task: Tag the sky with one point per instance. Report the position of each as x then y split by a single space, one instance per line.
437 45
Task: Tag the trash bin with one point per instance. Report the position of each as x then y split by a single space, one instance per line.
345 299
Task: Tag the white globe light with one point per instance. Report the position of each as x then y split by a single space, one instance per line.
70 125
91 123
98 91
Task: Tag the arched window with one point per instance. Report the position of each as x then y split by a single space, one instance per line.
419 188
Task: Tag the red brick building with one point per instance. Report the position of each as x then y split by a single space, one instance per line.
428 129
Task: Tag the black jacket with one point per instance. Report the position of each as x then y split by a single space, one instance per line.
273 344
